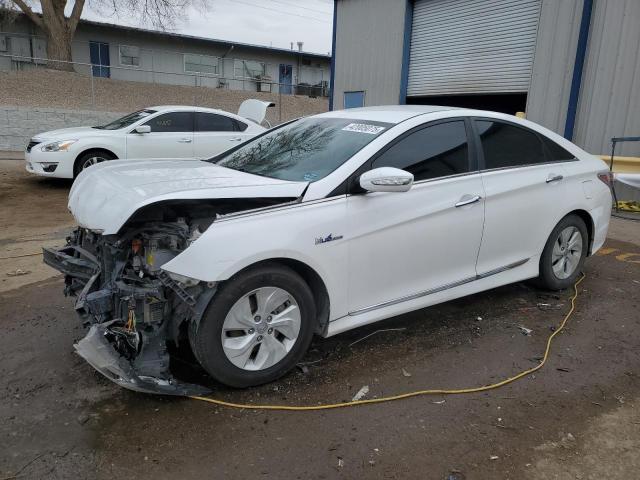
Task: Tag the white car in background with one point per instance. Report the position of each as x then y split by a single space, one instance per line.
318 226
155 132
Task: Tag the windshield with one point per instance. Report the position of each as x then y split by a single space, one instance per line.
127 120
305 150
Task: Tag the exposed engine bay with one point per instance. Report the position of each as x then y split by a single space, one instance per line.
132 307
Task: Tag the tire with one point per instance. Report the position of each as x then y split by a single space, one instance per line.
93 157
237 345
564 254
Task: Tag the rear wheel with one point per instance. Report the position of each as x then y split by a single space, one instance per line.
564 254
89 159
256 328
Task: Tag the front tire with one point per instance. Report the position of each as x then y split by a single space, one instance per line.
564 254
89 159
256 328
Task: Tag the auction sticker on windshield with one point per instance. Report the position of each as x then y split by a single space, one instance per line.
363 128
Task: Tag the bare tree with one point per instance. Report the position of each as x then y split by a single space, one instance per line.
60 29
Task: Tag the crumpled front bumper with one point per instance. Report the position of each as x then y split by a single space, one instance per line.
148 370
102 356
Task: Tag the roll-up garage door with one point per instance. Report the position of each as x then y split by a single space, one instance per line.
472 46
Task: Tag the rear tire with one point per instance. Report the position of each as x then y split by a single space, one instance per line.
257 327
91 158
564 254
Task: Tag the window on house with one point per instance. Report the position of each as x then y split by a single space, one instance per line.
353 99
129 56
201 64
248 69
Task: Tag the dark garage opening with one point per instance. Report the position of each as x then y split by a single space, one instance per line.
502 102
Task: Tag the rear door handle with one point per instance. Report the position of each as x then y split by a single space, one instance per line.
184 140
236 139
468 200
554 178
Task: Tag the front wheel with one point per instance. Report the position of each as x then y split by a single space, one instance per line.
256 328
564 254
89 159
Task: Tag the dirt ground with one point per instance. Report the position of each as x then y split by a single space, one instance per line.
578 418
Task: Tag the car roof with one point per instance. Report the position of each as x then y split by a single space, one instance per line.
386 113
183 107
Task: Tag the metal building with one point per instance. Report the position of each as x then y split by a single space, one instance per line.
571 65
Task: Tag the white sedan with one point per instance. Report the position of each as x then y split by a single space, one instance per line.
155 132
319 226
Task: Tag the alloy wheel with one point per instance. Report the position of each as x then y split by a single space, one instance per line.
567 251
261 328
92 161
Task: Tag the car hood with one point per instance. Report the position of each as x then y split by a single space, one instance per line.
70 133
106 195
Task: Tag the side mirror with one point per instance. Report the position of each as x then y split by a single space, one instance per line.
386 179
142 129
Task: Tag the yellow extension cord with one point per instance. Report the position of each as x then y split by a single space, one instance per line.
409 394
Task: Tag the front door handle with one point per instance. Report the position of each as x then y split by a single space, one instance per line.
554 178
468 200
236 139
184 140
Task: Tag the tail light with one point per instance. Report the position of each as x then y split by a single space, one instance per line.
606 178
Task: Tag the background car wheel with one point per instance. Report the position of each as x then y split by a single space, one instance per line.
88 159
257 327
564 254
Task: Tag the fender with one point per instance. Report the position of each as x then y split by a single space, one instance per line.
298 232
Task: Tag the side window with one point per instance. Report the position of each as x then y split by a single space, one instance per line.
210 122
240 126
172 122
506 145
555 152
431 152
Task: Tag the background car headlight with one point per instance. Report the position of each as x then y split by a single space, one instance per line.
62 145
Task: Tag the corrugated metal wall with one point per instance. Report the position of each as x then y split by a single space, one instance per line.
609 104
553 63
369 39
472 46
609 101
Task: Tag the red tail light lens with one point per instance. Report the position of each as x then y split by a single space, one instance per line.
606 178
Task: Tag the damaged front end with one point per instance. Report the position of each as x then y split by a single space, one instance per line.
133 307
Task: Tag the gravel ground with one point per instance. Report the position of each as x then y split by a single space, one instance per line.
577 418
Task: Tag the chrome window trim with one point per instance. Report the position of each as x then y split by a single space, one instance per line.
446 177
431 291
554 162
